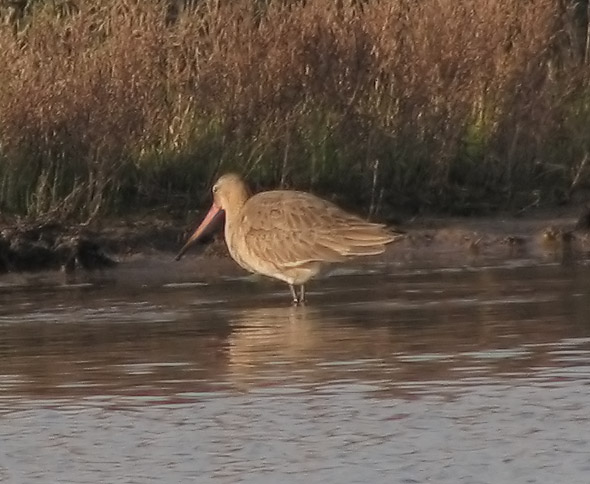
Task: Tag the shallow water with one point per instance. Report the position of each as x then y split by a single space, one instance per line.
477 374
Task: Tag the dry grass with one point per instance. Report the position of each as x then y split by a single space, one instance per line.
460 105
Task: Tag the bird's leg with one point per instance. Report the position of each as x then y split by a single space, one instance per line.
302 294
294 295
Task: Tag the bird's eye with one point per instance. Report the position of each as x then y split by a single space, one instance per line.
215 188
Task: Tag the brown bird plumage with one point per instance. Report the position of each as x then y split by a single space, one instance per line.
287 234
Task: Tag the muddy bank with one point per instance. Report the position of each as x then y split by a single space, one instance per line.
541 236
43 246
57 246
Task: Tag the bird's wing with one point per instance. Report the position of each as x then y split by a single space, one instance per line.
293 228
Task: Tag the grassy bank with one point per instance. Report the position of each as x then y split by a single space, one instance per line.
463 106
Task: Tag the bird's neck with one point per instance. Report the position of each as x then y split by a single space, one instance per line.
232 212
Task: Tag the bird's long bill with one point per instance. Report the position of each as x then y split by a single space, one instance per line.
207 226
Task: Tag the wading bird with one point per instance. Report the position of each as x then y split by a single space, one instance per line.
287 234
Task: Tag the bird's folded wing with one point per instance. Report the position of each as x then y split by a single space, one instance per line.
293 228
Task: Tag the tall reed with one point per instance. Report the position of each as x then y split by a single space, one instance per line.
454 105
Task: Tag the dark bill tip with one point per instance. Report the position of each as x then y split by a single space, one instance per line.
207 226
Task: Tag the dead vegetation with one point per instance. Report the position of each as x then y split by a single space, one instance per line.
463 106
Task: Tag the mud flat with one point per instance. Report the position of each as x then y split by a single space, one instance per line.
50 245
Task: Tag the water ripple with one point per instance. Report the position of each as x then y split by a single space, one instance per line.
458 375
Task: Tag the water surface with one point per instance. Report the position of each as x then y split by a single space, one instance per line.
475 374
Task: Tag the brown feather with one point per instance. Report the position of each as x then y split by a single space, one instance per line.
287 234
